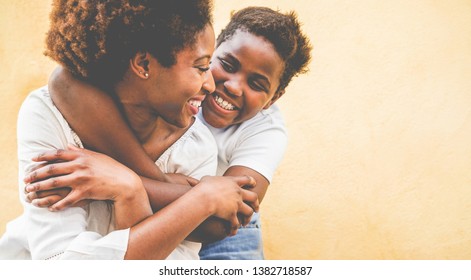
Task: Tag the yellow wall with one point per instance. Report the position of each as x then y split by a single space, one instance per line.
379 159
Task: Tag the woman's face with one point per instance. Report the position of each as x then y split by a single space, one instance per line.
183 87
246 69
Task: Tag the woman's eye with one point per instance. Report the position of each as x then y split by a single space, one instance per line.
203 69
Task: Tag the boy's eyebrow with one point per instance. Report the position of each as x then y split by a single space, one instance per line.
234 60
259 76
236 63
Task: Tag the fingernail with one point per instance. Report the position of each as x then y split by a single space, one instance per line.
35 202
29 188
52 209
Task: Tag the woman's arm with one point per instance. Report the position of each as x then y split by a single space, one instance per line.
154 236
52 235
222 197
80 167
112 136
82 105
78 170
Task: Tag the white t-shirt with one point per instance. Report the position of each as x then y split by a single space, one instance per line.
258 143
81 233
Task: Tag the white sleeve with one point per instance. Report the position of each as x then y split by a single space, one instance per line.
62 234
261 146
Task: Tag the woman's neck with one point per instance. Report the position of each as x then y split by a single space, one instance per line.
153 132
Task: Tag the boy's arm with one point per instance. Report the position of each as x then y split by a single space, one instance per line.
259 148
75 98
261 182
82 105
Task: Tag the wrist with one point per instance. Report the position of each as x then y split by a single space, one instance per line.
204 199
130 189
132 206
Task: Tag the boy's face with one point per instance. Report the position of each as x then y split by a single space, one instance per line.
246 69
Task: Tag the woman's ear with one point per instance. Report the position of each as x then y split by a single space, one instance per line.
275 97
139 64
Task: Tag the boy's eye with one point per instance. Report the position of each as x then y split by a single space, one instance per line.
257 86
227 66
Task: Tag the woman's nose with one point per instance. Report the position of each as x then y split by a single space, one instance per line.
208 85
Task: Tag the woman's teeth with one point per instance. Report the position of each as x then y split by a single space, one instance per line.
223 103
196 103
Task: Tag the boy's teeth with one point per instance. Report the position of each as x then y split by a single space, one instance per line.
223 103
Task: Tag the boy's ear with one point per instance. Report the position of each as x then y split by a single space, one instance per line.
139 64
275 97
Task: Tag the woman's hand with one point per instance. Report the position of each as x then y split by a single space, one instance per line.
85 174
230 198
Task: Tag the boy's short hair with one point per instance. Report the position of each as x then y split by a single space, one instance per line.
282 30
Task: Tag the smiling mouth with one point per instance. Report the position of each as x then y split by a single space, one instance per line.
224 104
196 103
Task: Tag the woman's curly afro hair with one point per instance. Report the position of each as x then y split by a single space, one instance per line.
94 39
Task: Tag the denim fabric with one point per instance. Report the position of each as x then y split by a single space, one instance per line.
245 245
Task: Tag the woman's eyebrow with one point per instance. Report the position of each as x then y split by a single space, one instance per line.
199 59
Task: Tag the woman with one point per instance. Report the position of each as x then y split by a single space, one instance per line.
115 46
257 55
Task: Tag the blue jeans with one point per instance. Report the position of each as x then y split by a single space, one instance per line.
245 245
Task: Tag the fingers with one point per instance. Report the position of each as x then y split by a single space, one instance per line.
177 178
50 170
243 219
72 199
62 192
234 225
48 184
247 182
245 213
192 181
251 199
46 201
56 200
55 155
39 165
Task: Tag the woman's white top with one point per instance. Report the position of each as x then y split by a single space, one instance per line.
86 232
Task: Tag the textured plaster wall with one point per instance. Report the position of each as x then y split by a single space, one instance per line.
379 158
